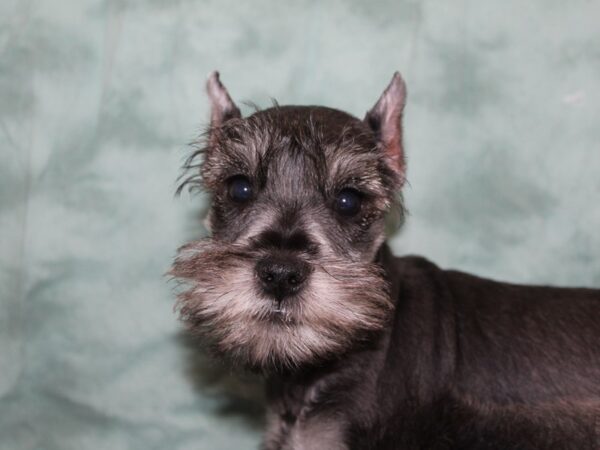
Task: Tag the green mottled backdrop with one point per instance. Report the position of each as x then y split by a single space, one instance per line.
97 103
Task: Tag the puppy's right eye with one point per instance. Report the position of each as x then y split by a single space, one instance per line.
239 189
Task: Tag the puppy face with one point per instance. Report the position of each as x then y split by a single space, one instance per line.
299 195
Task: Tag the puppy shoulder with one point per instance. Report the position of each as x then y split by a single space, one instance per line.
419 277
411 266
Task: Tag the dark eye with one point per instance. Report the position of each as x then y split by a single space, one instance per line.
240 189
348 202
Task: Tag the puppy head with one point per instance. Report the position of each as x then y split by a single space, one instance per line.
290 275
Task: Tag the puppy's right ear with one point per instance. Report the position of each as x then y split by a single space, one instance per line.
222 107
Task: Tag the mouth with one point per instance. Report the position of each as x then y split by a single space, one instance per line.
277 308
281 312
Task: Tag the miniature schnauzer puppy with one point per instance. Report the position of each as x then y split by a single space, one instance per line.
361 349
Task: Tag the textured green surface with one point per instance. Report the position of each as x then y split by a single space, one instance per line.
97 102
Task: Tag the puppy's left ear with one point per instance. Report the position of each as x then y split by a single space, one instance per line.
385 119
222 107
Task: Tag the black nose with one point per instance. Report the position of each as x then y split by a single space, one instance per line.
282 276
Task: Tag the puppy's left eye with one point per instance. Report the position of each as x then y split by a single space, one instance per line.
348 202
239 189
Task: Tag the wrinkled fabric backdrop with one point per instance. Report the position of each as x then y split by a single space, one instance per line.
98 101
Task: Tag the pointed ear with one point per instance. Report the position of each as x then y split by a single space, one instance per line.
385 119
222 107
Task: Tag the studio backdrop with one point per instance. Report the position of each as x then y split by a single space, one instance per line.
98 101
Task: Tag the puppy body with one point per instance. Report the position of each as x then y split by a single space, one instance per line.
362 350
467 363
